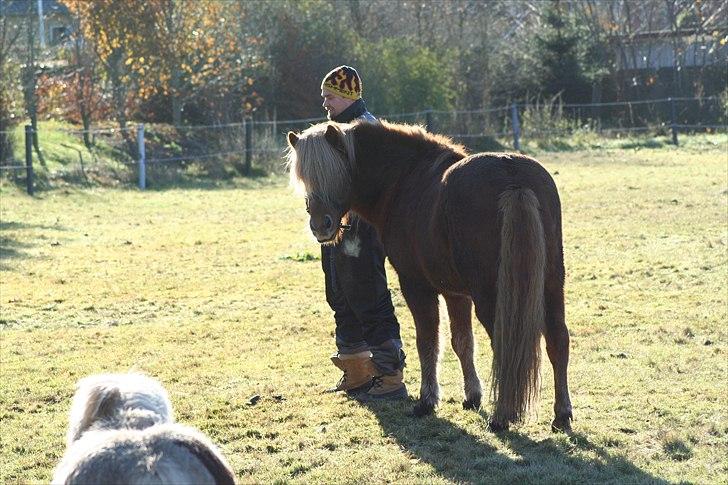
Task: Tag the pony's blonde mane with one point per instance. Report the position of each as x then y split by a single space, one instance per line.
316 166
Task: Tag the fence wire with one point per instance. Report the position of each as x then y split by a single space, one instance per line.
260 144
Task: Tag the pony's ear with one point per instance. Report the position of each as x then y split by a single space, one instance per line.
292 139
334 136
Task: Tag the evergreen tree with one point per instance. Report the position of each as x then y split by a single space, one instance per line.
560 49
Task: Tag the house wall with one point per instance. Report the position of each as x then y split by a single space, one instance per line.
658 54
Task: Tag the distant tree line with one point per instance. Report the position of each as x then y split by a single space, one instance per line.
205 61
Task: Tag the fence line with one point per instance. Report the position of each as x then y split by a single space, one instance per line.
287 122
472 111
502 134
208 127
94 131
392 115
518 120
641 101
192 157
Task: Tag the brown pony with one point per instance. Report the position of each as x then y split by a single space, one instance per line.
483 229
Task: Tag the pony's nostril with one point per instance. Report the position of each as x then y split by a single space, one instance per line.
328 222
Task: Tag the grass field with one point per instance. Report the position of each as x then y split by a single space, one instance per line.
219 294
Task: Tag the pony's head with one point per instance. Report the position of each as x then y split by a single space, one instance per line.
116 401
321 164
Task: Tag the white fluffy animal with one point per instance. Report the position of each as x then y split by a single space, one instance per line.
122 430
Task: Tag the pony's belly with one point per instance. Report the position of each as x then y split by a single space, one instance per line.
421 258
440 277
447 284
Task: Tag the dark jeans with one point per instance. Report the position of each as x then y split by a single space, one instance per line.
356 290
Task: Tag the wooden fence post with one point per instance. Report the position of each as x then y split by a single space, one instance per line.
516 127
673 121
142 157
29 158
428 120
248 146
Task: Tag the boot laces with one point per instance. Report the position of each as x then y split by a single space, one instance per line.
377 382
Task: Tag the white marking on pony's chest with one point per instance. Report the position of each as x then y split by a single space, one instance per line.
352 247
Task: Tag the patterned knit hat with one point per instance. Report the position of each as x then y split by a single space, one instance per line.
343 81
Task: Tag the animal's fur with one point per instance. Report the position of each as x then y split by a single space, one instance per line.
483 229
122 430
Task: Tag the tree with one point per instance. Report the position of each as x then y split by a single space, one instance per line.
405 77
30 83
84 98
117 34
9 36
562 61
305 40
193 48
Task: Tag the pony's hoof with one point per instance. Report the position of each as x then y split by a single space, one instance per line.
561 424
423 409
497 427
473 403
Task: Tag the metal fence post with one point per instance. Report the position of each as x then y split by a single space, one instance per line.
142 157
516 127
673 121
248 146
29 158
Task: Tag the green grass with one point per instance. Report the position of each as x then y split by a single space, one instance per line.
582 140
175 158
218 292
66 159
63 148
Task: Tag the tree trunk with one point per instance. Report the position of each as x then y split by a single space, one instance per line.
30 80
676 64
178 102
81 94
118 95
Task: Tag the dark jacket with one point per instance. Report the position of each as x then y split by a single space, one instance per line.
358 110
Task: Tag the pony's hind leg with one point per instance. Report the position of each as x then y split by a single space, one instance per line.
422 302
459 308
557 347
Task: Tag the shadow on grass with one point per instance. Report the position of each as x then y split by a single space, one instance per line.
12 248
459 456
557 145
156 181
164 180
159 178
651 143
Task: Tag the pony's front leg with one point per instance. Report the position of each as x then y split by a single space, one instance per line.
422 302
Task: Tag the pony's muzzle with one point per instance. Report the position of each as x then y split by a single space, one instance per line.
325 230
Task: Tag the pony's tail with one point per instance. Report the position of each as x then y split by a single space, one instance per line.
519 311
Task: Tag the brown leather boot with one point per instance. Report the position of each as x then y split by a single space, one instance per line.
389 387
358 372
